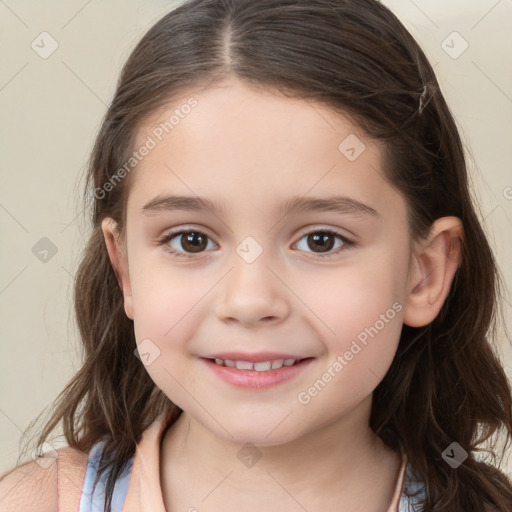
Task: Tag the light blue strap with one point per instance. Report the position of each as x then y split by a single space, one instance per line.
411 485
93 496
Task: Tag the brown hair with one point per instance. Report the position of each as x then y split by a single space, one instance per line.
446 382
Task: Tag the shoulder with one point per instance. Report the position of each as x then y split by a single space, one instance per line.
31 486
34 486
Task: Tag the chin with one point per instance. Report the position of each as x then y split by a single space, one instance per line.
259 434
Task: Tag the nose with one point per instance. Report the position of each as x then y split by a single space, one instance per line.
252 294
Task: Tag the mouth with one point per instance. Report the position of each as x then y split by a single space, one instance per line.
256 376
260 366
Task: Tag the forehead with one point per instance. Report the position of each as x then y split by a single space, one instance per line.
238 143
267 118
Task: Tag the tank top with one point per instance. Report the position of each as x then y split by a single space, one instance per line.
138 487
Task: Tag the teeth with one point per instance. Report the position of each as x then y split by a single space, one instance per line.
244 365
259 367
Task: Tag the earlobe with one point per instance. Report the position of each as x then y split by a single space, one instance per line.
433 265
119 261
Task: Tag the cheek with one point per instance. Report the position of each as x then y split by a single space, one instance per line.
347 300
363 342
157 288
165 318
162 301
362 321
358 310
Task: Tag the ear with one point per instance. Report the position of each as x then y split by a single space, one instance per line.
433 266
119 260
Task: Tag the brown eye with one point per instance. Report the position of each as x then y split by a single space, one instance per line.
322 240
193 241
185 243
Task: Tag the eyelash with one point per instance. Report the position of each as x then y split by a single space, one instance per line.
348 244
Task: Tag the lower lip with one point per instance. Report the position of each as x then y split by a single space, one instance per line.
253 379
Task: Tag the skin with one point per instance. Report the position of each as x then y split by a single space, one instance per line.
252 150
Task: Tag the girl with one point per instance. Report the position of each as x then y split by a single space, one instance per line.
286 297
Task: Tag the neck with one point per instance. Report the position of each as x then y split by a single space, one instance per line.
335 462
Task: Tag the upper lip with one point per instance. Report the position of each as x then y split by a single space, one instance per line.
256 357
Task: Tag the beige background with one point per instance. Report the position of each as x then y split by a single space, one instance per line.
51 109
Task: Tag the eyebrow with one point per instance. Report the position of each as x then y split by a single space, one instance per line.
336 204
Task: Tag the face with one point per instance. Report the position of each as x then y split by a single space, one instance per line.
327 285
